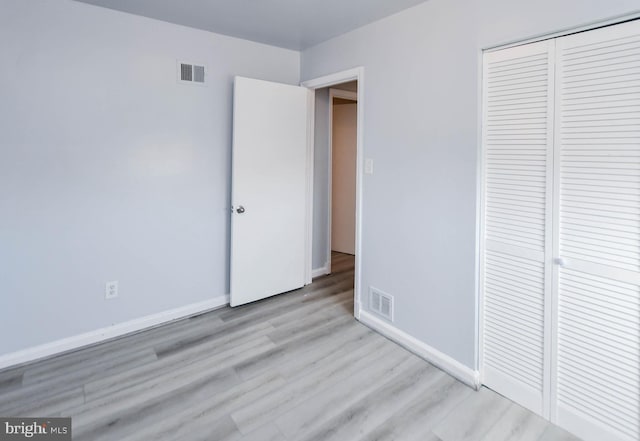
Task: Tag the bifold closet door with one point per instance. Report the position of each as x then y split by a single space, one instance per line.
516 246
596 387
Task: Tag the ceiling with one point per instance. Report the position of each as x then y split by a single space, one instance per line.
292 24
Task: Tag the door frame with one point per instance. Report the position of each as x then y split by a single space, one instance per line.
345 76
346 95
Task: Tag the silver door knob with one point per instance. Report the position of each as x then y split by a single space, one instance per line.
559 261
240 209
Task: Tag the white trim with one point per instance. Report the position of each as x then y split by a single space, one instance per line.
329 219
564 32
323 271
479 245
336 78
344 94
311 112
448 364
331 80
109 332
480 227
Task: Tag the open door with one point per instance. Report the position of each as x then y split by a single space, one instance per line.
269 189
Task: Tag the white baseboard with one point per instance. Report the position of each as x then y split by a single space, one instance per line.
432 355
117 330
320 271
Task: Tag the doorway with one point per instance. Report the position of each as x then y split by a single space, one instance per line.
337 90
343 112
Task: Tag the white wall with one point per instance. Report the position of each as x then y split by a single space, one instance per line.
421 113
109 169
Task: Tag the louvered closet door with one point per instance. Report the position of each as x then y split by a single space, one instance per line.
517 137
597 385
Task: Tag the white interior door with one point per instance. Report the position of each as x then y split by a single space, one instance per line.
597 350
515 275
269 189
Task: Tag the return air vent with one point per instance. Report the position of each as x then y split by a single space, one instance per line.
189 73
381 303
198 74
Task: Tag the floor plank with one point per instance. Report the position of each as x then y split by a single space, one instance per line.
416 420
473 418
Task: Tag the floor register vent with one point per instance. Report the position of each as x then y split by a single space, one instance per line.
381 303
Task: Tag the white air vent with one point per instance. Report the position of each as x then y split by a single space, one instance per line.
198 74
381 303
189 73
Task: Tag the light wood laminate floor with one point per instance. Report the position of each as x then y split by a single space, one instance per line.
293 367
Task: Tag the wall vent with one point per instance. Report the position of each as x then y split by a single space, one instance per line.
381 303
189 73
198 74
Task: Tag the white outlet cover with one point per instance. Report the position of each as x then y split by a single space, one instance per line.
111 290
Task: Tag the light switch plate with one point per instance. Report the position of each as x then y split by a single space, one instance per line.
368 166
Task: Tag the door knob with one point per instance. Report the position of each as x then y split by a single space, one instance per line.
240 209
559 261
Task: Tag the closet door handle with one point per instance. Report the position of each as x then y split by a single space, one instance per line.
559 261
